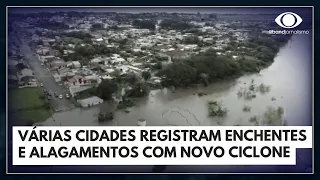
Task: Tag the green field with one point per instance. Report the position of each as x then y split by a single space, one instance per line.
26 98
32 116
26 105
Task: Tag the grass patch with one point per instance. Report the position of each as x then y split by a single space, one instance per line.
31 116
27 105
26 98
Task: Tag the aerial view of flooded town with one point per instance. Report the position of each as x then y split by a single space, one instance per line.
156 68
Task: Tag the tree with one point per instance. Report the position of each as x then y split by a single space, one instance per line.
178 74
140 89
146 75
144 24
191 40
97 26
20 66
157 66
106 89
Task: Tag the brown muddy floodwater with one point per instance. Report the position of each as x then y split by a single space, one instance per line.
290 79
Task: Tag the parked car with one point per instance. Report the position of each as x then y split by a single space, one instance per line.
60 96
55 94
49 98
42 64
67 96
49 94
41 84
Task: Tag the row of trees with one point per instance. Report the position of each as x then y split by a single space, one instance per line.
188 71
97 26
144 24
175 24
52 25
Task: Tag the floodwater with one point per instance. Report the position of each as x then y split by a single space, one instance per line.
290 79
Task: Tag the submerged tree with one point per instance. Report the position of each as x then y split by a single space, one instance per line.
246 109
102 117
215 109
273 117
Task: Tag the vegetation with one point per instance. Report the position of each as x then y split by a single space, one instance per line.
87 93
215 109
97 26
178 74
246 109
144 24
51 24
78 35
27 105
191 40
102 117
183 72
139 89
146 75
87 52
262 88
126 103
272 117
106 89
175 24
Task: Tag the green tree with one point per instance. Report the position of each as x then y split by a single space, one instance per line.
97 26
106 89
146 75
179 74
140 89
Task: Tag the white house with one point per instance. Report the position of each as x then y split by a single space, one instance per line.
118 61
94 100
76 64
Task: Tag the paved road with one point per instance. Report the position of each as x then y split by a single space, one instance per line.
44 76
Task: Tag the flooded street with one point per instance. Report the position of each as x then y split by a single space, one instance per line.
290 79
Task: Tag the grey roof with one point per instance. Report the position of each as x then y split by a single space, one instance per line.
90 100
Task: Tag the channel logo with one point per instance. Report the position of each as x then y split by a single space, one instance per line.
288 20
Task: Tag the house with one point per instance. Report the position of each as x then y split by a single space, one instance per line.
63 70
78 81
97 60
25 73
47 58
53 52
26 78
76 64
93 78
99 39
43 51
208 40
57 64
57 77
74 90
116 61
94 100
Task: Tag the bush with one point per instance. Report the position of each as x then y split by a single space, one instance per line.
126 104
246 109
